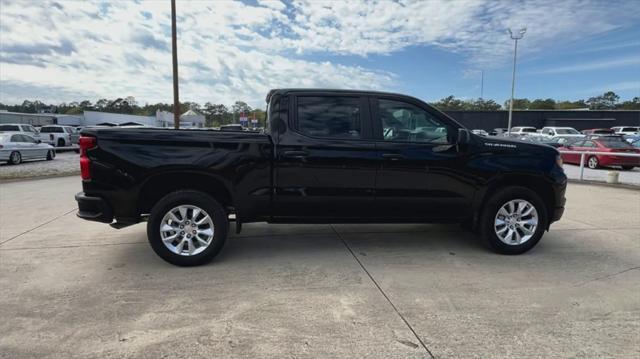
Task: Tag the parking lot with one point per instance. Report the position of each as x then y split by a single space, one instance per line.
72 288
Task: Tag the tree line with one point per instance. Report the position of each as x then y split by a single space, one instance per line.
215 114
220 114
607 101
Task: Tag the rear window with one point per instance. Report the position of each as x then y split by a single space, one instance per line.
629 129
529 130
614 142
9 128
51 130
331 116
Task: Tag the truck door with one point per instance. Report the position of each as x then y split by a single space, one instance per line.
325 161
421 175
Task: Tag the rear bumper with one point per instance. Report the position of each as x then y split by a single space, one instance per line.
93 208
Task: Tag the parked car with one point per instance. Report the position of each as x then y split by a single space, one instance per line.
609 144
553 142
598 131
497 131
21 128
564 132
523 131
59 136
626 130
635 142
324 158
480 132
16 147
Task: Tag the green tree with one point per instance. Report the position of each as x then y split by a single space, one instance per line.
540 104
518 104
606 101
482 105
633 104
449 103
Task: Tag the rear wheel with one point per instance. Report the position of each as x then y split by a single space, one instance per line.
61 142
513 220
593 162
187 228
50 155
15 158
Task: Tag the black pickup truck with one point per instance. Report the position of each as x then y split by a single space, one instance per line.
325 156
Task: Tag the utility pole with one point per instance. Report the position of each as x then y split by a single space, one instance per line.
174 50
514 36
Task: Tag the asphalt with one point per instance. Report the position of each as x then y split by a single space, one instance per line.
71 288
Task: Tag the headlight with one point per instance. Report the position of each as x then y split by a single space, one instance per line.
559 161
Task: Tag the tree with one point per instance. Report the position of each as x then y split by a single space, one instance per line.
570 105
540 104
606 101
518 104
634 104
483 105
450 103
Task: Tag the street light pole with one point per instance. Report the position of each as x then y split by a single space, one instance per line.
174 48
514 36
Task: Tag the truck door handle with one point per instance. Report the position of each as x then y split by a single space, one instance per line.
392 156
295 154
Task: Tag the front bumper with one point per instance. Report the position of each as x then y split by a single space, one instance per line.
93 208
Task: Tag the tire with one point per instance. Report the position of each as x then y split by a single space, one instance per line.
15 158
50 155
61 142
173 203
491 213
593 162
627 168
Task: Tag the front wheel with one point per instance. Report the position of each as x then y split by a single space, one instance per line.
513 220
15 158
50 155
593 162
187 228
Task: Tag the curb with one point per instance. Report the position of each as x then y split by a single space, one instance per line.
604 184
35 178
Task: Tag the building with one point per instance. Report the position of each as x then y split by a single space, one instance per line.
40 119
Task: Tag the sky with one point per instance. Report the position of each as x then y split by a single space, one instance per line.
64 51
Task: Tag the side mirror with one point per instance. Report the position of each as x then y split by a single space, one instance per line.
464 136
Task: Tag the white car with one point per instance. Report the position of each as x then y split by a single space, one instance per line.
480 132
568 133
523 131
626 130
59 136
22 128
16 147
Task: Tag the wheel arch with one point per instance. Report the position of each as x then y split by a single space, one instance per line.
161 184
538 184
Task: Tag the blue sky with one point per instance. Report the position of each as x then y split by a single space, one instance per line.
69 51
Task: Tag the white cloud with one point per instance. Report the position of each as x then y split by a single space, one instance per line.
231 50
594 65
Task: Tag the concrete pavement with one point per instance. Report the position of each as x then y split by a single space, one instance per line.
71 288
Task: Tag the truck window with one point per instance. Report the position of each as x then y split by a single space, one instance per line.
405 122
330 116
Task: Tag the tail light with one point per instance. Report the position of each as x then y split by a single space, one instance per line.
86 143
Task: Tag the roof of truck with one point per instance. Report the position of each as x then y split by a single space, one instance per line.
319 90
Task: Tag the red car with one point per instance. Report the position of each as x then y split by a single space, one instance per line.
612 144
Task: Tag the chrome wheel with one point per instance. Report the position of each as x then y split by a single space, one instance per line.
186 230
516 222
593 162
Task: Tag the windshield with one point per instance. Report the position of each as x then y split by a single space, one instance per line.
614 142
567 131
9 128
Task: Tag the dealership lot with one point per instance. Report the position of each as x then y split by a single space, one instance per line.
75 288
